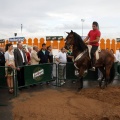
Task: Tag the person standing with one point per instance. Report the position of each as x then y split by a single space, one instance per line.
34 58
93 38
10 65
29 50
43 54
62 58
27 55
118 56
2 57
69 55
20 60
49 49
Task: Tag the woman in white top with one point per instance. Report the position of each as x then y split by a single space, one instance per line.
10 65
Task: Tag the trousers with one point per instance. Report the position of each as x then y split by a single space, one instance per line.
93 50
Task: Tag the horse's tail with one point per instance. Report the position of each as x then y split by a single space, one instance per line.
112 73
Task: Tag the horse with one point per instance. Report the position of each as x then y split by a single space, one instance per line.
82 61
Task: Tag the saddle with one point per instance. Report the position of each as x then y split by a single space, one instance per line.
96 53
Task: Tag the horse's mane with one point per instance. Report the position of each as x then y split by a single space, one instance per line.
79 42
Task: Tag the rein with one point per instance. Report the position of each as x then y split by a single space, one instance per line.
78 57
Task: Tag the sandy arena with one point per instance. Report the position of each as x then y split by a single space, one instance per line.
66 104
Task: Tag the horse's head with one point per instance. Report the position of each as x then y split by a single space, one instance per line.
69 39
75 40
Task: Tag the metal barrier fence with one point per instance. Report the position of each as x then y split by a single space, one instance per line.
66 71
35 74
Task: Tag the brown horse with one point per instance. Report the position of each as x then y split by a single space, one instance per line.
82 60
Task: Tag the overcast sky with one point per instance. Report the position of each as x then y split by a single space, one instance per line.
54 17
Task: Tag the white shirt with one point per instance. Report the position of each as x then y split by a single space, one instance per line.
22 55
9 57
115 59
118 56
62 57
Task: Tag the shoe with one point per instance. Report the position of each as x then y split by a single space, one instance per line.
41 84
92 69
99 79
85 72
62 82
73 81
76 72
47 83
11 90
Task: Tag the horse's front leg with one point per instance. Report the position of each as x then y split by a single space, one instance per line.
80 79
79 83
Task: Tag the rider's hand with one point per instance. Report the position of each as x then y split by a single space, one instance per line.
18 69
87 42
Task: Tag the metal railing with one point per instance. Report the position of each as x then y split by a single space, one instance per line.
35 74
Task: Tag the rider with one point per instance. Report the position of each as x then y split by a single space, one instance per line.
93 38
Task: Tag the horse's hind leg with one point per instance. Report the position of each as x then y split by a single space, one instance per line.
101 73
107 74
102 81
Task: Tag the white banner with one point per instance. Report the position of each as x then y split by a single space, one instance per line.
16 39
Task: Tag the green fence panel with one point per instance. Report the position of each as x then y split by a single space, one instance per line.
3 82
70 73
37 73
91 75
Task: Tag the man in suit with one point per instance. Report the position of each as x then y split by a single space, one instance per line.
20 60
43 54
2 57
34 58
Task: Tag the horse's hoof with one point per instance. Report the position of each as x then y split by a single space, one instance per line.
103 86
100 84
79 89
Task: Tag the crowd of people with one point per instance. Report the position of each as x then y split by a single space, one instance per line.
19 57
16 59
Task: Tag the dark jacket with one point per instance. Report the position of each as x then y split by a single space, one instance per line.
18 58
50 57
43 57
2 59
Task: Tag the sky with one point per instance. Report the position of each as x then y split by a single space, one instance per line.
55 17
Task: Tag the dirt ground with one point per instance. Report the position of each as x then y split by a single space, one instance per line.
64 104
